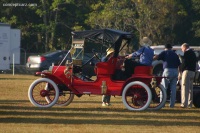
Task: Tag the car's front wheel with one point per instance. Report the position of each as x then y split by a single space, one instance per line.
41 90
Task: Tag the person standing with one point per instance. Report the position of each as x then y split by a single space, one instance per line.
171 66
109 54
188 72
196 76
145 54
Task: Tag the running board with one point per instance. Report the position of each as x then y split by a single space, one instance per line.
88 93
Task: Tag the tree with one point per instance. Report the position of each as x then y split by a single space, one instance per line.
156 19
22 17
196 20
112 14
48 25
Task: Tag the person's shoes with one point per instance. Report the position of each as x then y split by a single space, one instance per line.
108 104
104 104
182 106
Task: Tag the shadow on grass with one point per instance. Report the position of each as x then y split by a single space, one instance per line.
16 113
12 101
15 79
90 120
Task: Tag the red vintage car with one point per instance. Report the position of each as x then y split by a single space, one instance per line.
59 84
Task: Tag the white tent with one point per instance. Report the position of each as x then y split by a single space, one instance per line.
9 45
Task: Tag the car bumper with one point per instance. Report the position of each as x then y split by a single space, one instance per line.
34 67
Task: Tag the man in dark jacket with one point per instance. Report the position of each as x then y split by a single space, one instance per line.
188 72
171 66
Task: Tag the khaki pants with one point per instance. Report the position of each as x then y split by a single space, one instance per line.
187 88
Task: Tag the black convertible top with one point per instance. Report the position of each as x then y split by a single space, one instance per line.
105 35
111 36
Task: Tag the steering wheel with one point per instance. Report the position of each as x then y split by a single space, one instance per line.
94 56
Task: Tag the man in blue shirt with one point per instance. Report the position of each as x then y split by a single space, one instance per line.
171 66
145 54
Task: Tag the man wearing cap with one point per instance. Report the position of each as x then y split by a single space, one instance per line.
145 54
171 66
109 54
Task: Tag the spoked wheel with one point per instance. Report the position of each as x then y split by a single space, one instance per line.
38 93
159 97
65 98
136 96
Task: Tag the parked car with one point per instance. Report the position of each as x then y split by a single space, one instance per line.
38 63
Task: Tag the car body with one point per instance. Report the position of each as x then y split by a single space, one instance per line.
38 63
63 82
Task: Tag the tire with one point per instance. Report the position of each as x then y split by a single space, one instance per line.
65 98
136 96
156 102
196 100
38 93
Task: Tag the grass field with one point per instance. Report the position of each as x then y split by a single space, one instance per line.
85 114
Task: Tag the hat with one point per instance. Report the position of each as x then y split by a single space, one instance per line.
168 45
146 41
109 51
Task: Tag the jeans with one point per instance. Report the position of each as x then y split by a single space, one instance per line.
170 81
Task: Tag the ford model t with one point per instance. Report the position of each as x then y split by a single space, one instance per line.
59 84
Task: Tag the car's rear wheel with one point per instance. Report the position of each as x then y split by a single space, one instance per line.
65 97
159 97
136 96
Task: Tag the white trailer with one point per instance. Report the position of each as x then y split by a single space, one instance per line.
9 45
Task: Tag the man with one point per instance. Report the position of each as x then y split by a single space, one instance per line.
145 54
188 72
109 54
171 66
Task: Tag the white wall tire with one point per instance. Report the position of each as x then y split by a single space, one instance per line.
159 97
38 93
65 98
134 98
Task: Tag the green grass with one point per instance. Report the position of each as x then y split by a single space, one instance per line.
85 114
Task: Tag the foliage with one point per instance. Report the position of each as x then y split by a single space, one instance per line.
154 18
196 22
48 24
